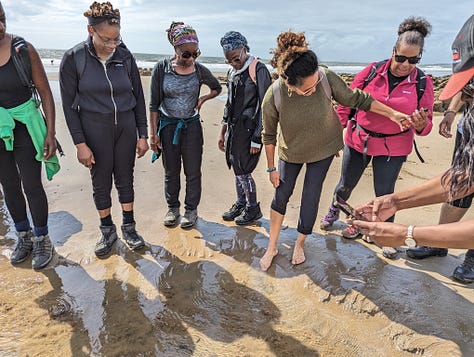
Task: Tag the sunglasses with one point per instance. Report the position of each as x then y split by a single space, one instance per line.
411 60
187 54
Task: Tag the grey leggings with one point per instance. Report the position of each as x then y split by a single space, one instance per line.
385 169
313 183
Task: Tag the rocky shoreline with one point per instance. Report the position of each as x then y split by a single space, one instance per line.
438 84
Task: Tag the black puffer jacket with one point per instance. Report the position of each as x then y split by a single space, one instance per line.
96 90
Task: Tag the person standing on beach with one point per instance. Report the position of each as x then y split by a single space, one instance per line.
373 137
27 141
300 104
240 136
175 122
105 111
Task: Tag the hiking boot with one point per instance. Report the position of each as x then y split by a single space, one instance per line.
249 215
171 217
131 237
465 272
23 247
235 211
42 251
351 232
189 218
331 217
106 241
426 252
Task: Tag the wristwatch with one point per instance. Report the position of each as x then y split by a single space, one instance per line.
410 242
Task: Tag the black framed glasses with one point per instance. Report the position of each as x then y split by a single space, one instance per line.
411 60
187 54
107 42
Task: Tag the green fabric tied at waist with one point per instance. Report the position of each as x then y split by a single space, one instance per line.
28 114
181 123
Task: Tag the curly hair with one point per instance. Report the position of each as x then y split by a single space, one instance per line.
460 177
101 12
292 58
412 31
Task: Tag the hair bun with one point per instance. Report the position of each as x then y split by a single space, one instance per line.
413 23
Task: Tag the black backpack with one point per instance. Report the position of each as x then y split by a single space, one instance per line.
22 63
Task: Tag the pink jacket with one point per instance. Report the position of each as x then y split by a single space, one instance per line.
403 98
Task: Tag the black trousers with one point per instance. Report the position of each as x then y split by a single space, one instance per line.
114 147
385 169
188 151
20 171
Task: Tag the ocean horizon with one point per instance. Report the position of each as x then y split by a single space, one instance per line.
52 57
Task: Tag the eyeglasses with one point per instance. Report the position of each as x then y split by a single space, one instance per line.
187 54
411 60
109 43
306 92
236 59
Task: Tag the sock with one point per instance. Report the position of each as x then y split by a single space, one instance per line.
41 231
23 226
128 217
106 221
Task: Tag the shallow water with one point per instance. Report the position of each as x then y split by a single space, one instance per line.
200 292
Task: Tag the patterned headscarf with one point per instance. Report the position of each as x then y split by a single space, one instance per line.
179 33
233 40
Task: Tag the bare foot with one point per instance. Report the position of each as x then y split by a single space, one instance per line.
298 255
266 260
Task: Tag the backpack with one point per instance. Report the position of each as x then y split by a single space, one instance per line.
80 59
22 62
420 82
277 92
420 90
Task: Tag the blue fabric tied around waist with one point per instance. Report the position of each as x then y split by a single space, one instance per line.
180 124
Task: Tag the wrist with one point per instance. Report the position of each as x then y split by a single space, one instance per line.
271 169
449 111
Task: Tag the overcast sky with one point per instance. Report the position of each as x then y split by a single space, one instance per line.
352 30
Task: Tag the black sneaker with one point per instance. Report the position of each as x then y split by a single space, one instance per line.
235 211
107 240
42 251
426 252
465 272
249 215
23 248
189 219
131 237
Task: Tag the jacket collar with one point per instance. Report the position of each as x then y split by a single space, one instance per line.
411 77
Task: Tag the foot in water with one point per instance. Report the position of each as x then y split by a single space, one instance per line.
266 260
298 254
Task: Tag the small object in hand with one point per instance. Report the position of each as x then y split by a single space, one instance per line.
155 156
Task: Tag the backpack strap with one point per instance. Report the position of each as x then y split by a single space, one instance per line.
253 70
420 84
21 60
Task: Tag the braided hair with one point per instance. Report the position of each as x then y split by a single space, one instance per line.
102 12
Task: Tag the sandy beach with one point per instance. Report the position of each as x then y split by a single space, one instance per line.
200 291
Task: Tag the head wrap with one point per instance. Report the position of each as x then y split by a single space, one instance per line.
179 33
100 12
233 40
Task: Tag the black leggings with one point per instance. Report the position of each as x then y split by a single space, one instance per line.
114 149
313 183
385 169
20 168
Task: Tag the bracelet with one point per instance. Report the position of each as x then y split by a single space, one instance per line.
449 111
272 169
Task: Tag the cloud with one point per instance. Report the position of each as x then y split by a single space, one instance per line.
338 30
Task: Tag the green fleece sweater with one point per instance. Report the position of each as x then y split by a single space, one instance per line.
28 114
309 130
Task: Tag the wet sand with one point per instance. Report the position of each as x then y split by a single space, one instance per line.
200 291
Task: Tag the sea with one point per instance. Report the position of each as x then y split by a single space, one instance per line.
52 58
